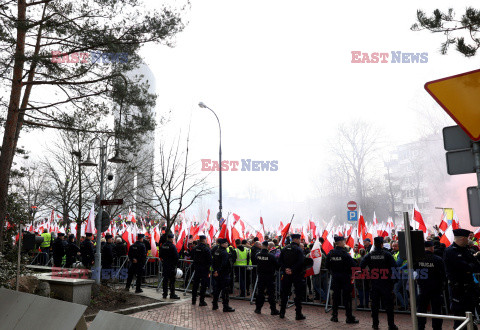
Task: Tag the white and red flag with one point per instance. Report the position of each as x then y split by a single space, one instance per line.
90 226
418 219
316 255
443 222
448 237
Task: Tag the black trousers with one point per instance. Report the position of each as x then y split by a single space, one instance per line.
342 288
200 277
266 282
221 286
137 270
462 299
431 296
382 291
285 291
168 282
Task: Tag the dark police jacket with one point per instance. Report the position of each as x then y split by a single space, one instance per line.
169 255
87 251
58 248
71 251
222 262
108 254
120 250
431 272
292 257
340 264
380 262
460 264
202 257
138 251
266 263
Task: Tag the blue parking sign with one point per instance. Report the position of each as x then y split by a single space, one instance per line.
352 215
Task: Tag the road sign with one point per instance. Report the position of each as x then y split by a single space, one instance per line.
474 206
111 202
352 215
454 138
460 162
459 96
105 220
352 206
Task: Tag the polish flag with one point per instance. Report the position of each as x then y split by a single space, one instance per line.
131 216
328 229
263 226
280 229
284 234
375 221
390 226
127 237
328 243
316 255
312 229
352 239
362 227
417 217
477 234
443 222
305 234
90 226
181 236
447 238
153 246
156 234
455 221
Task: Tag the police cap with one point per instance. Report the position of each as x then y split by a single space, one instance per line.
367 240
202 237
461 232
60 234
108 236
88 235
428 243
295 236
222 240
265 243
140 236
170 235
339 238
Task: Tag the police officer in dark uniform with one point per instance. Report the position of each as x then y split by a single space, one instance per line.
88 251
380 262
108 255
431 279
202 259
222 269
137 255
460 266
59 245
169 256
267 265
340 264
291 264
71 251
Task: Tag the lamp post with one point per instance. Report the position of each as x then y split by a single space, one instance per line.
103 164
219 214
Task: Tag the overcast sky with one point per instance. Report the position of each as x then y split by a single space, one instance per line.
280 78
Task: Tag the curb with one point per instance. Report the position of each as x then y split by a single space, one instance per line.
131 310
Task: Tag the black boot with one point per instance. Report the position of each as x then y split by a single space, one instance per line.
275 312
258 311
228 309
214 306
282 313
174 296
334 318
352 320
194 300
202 303
300 317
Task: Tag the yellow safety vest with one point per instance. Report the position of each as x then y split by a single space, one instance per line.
47 238
241 257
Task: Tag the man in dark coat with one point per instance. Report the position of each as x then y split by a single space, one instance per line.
137 255
222 268
169 255
108 255
267 265
88 251
59 246
72 251
202 259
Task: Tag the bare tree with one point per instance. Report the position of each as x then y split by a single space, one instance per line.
174 186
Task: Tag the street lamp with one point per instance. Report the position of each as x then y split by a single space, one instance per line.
103 164
219 214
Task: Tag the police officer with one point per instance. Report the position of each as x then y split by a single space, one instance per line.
340 264
87 250
108 255
460 266
58 247
45 246
222 268
169 256
71 251
137 255
202 259
430 281
267 265
380 262
291 264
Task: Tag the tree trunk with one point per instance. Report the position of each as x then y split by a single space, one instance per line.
9 143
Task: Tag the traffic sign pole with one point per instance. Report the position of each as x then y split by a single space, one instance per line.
476 156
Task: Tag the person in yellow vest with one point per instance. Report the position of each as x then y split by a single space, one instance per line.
356 253
45 246
241 263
